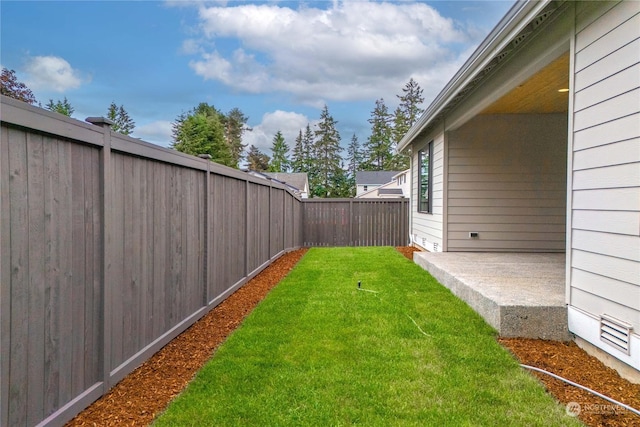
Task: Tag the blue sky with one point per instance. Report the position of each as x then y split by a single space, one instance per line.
279 62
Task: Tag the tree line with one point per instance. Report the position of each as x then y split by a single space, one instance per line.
316 151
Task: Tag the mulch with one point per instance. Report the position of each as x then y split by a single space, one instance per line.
146 392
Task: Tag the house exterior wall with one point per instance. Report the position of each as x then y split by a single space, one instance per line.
365 188
507 182
604 249
427 228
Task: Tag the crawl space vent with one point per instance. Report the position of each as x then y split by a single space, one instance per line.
615 332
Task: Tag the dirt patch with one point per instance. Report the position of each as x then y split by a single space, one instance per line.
407 251
146 392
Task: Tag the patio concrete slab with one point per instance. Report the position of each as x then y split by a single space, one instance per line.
519 294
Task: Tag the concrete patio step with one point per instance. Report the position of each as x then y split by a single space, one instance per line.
519 294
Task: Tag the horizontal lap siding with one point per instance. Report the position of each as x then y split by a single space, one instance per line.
427 228
50 262
605 262
507 181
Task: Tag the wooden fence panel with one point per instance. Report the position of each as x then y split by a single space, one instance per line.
355 222
51 241
158 212
258 226
276 221
228 233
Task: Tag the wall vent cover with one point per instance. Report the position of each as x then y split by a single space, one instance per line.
615 333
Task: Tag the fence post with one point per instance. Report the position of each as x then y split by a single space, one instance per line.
246 228
106 202
270 216
207 228
351 222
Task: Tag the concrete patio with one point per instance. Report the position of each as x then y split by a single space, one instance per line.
519 294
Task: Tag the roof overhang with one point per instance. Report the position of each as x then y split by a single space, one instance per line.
519 22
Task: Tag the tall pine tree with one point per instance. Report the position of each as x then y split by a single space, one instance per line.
279 159
354 162
257 160
234 127
122 122
377 148
329 174
298 157
308 144
405 116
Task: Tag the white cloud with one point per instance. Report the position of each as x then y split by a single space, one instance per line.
158 132
353 50
52 73
289 123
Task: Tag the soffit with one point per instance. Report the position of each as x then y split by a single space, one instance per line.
538 94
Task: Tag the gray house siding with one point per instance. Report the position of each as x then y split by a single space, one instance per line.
507 181
604 257
427 228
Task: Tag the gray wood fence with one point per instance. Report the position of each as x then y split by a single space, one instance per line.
111 247
356 222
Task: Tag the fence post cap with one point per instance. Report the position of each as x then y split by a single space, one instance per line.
205 156
100 121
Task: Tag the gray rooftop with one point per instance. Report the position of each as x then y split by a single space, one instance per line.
374 177
390 191
297 180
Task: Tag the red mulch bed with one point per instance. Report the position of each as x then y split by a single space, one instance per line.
146 392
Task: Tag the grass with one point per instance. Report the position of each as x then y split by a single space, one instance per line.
319 352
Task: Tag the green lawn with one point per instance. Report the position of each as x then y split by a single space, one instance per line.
319 352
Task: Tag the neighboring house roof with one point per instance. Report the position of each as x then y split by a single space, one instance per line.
289 180
374 177
401 173
298 180
390 192
502 42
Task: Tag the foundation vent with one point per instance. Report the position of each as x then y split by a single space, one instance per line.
615 333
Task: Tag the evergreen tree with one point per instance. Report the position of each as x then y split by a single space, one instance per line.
327 158
201 132
234 126
308 144
298 158
11 87
405 116
354 161
122 122
279 159
257 160
377 149
61 107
